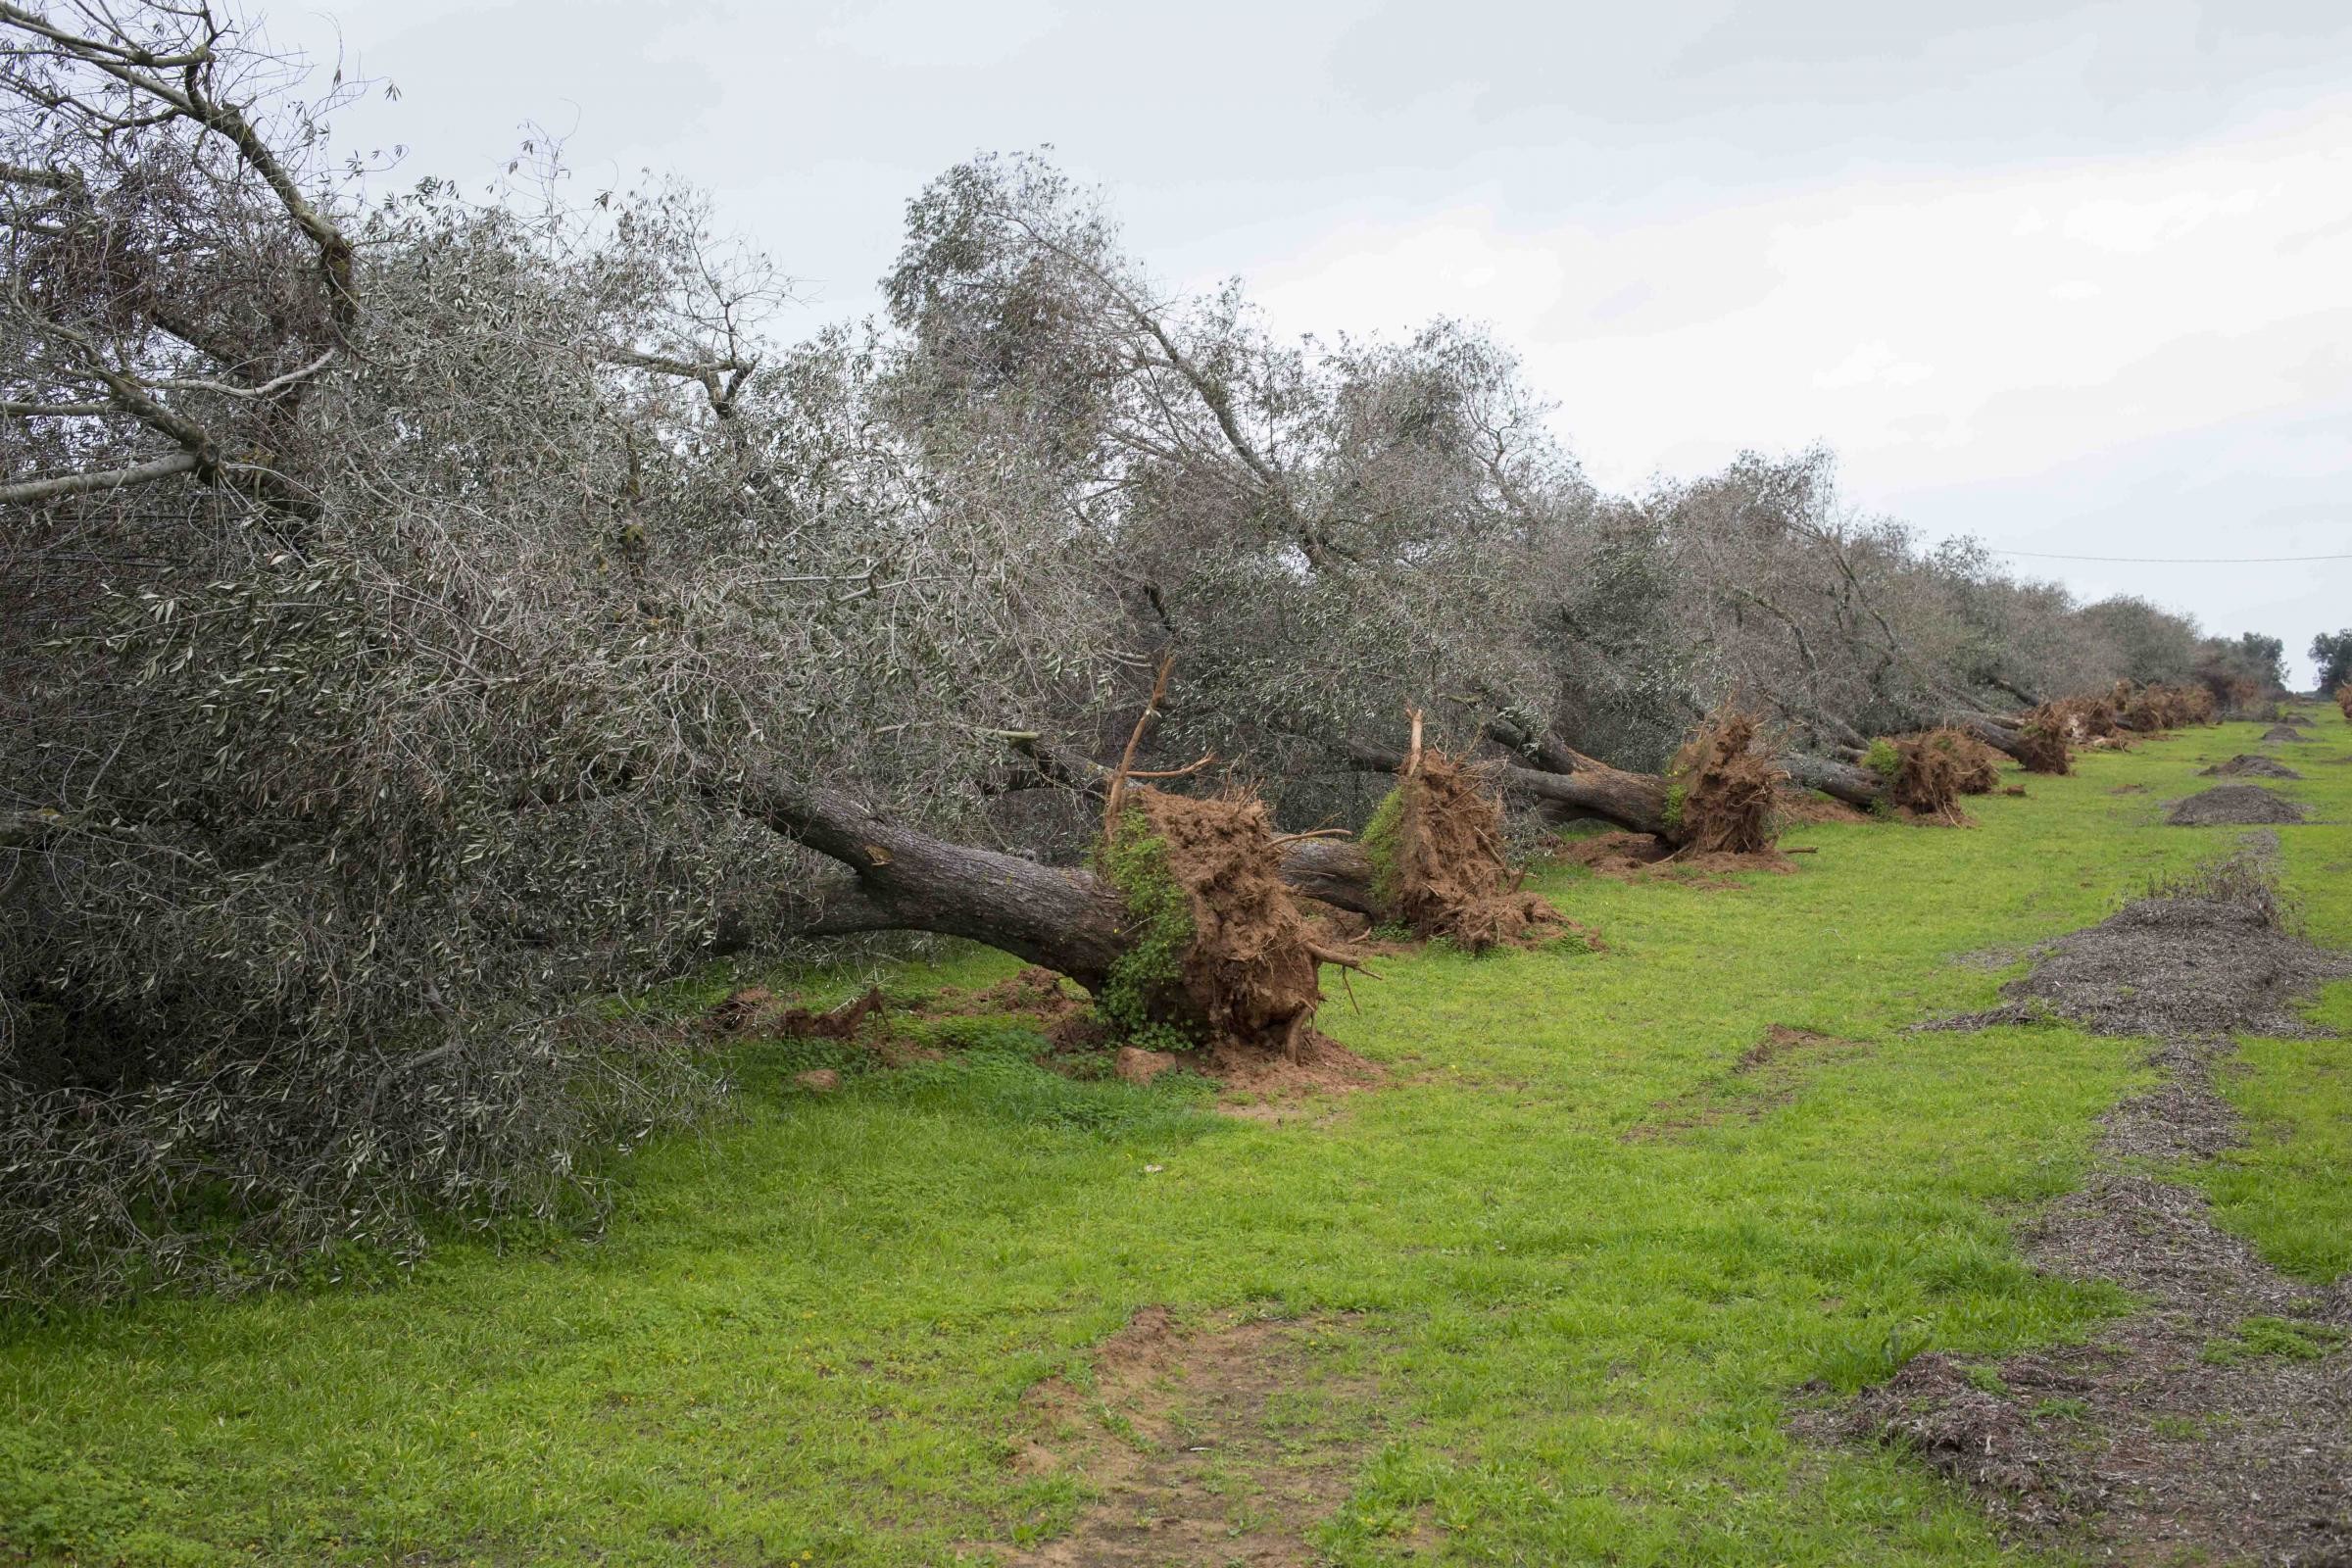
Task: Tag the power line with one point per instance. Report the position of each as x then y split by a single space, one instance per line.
2172 560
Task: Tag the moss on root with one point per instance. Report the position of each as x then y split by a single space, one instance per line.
1159 914
1379 841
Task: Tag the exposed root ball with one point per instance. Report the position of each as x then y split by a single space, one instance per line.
2343 701
2086 719
1979 764
1935 770
2162 707
1250 971
2042 740
2235 804
1722 791
1445 861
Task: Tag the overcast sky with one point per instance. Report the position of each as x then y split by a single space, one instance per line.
2072 279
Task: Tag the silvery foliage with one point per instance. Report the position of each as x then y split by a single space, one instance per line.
404 709
1325 533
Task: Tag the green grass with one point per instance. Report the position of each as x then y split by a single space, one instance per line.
809 1331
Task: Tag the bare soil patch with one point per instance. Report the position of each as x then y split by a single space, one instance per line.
1766 1077
2247 765
2283 732
1261 1088
1796 805
1221 1445
2234 804
1645 857
2216 1423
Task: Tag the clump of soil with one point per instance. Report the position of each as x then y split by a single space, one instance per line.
2209 1426
750 1008
2240 805
1445 860
1251 969
1225 1445
1726 790
2042 742
2279 734
2245 765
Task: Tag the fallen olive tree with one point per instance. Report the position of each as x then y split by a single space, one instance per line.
1182 928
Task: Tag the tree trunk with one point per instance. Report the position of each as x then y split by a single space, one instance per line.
1633 801
904 880
1996 733
1855 786
1333 872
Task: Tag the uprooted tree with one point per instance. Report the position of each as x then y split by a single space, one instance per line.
421 614
1436 859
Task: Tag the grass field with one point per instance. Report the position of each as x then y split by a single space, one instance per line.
1589 1267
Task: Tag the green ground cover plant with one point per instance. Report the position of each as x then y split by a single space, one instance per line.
1591 1262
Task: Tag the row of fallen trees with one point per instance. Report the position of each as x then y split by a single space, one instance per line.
1193 918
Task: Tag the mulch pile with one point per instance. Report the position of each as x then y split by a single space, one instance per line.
2169 965
2234 804
2211 1425
2247 765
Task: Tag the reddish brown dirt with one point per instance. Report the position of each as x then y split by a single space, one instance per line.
1453 879
1730 789
1796 805
751 1008
1643 857
1251 970
799 1023
1224 1445
1260 1087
